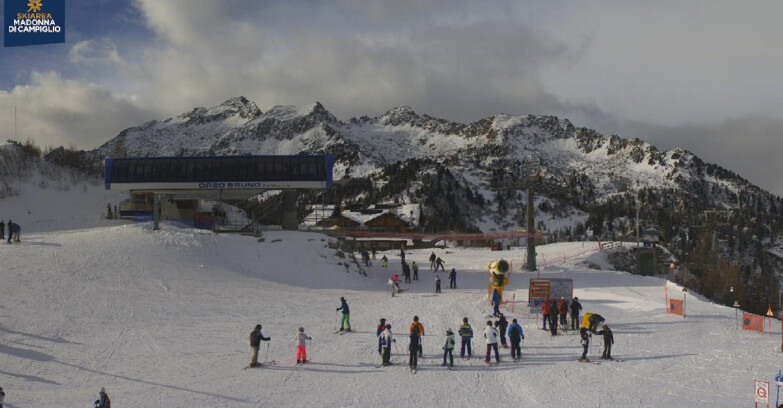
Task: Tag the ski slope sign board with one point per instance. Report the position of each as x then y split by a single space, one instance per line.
762 392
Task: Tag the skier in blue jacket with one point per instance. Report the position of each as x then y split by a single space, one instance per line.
345 322
515 334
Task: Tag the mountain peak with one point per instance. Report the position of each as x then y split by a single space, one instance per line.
399 115
237 106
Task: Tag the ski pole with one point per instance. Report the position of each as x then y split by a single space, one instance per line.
266 357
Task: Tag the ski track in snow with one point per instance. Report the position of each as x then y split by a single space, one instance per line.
162 319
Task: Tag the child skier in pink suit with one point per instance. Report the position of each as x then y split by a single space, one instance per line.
301 351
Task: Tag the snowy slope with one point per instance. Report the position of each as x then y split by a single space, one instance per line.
161 319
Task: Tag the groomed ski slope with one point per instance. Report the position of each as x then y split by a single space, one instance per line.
161 319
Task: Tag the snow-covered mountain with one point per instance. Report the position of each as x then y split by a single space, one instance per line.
522 144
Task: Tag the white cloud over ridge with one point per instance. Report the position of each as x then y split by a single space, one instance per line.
677 75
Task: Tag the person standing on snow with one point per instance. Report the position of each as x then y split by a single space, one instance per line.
10 230
2 393
608 341
255 343
439 263
378 331
466 336
103 400
502 325
406 272
545 312
575 308
385 262
345 323
515 334
413 347
453 279
17 231
301 346
386 341
585 343
495 303
415 270
437 284
419 328
491 334
448 348
432 260
562 307
553 317
402 254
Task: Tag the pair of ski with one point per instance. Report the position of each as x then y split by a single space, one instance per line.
259 365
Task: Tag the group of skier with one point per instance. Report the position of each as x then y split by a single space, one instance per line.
14 230
494 333
551 309
394 280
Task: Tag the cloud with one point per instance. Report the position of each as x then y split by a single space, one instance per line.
60 112
748 145
94 51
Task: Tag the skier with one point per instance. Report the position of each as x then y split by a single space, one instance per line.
386 341
562 307
17 231
10 230
453 279
255 343
432 260
515 334
553 317
437 284
301 346
575 308
374 251
415 267
395 282
402 254
495 303
419 328
103 400
345 323
502 325
413 347
585 343
491 334
545 312
439 263
2 394
608 341
385 262
2 229
466 335
448 348
595 320
406 272
378 331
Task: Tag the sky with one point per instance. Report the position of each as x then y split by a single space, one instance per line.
700 75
